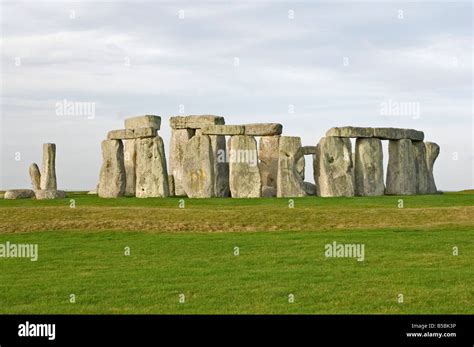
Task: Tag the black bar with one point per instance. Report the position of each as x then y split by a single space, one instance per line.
352 329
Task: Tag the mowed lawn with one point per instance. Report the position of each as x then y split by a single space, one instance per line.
190 254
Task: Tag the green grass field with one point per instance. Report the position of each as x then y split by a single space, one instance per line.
190 251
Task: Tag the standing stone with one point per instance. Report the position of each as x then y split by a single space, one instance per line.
421 167
171 184
221 166
35 176
368 167
198 168
401 174
151 170
432 152
48 177
268 162
130 156
244 175
112 174
333 167
179 139
289 179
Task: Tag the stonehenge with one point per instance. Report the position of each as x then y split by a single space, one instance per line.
208 158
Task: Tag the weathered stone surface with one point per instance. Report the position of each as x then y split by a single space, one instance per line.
397 134
130 157
333 167
140 133
289 180
221 166
179 139
125 134
421 167
382 133
223 130
268 192
309 188
268 152
309 150
401 174
13 194
151 170
198 168
35 176
171 184
350 132
112 174
432 152
48 194
120 134
147 121
195 122
199 121
368 167
48 175
263 129
244 175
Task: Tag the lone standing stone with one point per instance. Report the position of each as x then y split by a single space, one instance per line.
289 180
268 162
368 167
179 139
244 175
421 167
151 170
221 166
333 167
112 173
401 174
48 177
432 152
130 157
35 176
198 168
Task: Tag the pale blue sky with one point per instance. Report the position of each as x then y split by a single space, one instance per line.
334 63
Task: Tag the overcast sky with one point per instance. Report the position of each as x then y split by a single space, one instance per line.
309 66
